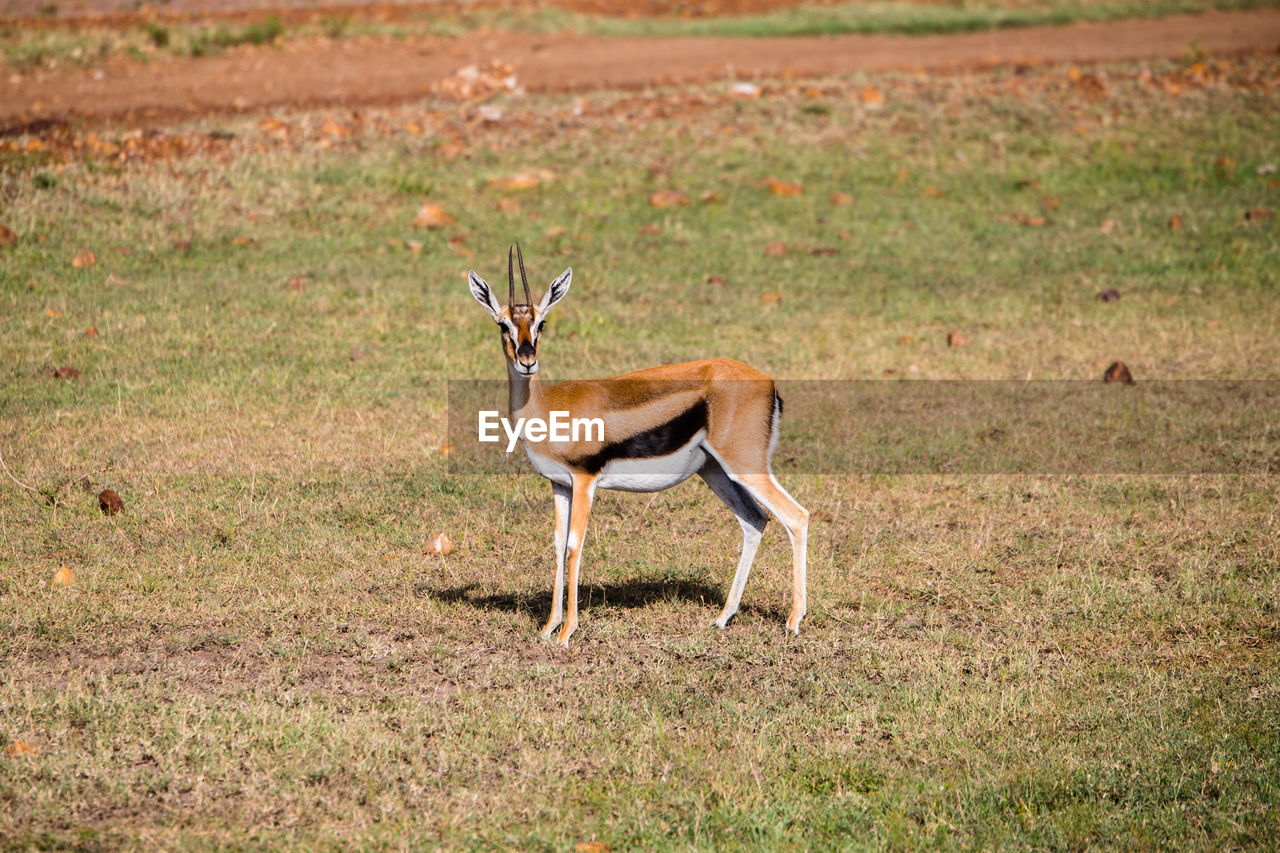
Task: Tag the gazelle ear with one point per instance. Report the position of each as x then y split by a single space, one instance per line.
556 291
483 293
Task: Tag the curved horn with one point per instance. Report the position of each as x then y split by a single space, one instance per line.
511 280
528 298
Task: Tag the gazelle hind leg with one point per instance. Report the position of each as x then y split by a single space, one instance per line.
753 522
563 501
795 518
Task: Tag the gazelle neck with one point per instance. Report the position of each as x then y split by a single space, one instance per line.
524 392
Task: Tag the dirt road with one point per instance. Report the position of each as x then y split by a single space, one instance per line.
381 71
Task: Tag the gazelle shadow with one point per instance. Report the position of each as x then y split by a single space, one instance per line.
535 605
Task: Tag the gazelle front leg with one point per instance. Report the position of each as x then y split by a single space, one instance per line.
584 490
563 497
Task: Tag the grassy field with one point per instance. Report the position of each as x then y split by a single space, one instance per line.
257 653
893 16
26 48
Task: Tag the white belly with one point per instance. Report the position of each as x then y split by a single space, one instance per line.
631 475
655 473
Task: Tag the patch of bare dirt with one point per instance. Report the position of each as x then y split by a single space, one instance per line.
462 129
380 71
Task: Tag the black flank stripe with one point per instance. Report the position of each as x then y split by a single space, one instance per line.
661 440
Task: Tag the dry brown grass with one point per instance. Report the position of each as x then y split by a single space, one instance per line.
257 654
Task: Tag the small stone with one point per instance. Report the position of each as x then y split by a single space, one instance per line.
1118 371
109 502
441 545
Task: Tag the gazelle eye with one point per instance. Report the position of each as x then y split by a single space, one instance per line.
542 326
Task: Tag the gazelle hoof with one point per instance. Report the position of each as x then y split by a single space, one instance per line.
722 622
793 620
562 639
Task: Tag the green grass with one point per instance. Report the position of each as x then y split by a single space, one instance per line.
904 18
257 654
205 42
49 48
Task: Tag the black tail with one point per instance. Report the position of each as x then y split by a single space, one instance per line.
775 413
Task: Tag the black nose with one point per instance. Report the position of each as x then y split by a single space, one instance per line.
526 351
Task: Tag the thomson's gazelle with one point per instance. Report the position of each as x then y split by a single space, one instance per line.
716 418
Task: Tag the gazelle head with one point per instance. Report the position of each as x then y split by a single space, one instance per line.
521 324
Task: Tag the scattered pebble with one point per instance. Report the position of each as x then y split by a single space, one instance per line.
1118 371
21 747
109 502
441 545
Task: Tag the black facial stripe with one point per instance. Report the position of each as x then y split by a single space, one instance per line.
661 440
